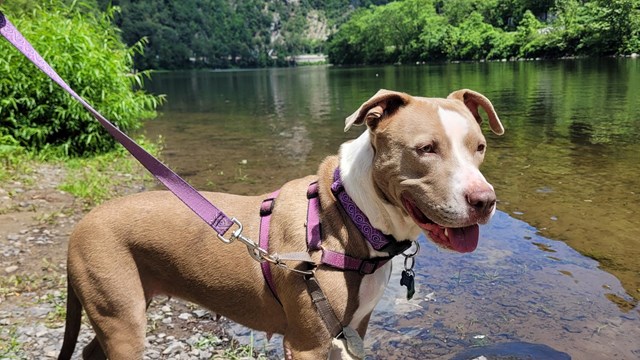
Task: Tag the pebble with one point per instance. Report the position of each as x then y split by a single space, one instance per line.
31 320
200 313
173 348
43 342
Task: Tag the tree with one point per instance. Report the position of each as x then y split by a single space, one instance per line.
86 51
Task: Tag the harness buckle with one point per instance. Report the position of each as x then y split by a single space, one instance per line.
373 265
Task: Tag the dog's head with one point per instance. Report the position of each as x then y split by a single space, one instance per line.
427 154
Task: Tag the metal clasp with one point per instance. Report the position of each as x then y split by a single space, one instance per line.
409 259
257 253
236 234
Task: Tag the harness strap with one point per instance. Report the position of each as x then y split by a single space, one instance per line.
265 220
314 229
331 321
331 258
346 262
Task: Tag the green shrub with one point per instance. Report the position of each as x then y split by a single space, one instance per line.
86 50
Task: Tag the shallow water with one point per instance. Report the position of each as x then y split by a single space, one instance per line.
566 170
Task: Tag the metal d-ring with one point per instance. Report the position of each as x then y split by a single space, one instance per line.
411 257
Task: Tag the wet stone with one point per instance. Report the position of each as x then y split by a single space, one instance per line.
571 329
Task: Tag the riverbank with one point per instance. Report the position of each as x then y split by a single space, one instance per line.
36 218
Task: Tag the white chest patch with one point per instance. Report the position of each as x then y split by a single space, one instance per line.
371 290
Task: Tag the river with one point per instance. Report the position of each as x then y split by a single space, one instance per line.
560 262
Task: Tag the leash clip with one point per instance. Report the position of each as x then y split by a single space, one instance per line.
257 253
235 235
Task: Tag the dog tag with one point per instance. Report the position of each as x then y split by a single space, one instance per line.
407 279
355 345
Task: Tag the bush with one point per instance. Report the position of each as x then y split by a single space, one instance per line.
85 49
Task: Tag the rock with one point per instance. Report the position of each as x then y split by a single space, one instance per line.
152 354
205 354
10 269
173 348
184 316
200 313
13 237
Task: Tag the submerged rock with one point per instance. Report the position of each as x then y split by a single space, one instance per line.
513 351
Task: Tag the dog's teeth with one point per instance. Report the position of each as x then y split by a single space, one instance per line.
446 232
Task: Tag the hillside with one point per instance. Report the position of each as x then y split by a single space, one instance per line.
228 33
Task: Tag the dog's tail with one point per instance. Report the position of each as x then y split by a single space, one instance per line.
72 324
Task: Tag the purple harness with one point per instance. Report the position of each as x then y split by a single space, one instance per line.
375 237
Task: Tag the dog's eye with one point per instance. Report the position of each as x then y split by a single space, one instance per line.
481 147
426 149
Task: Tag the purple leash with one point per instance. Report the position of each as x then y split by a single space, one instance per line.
179 187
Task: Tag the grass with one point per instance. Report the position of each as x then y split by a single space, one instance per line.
91 179
58 301
95 179
15 165
10 347
16 285
239 352
207 341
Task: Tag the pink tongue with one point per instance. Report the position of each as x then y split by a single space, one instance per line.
464 239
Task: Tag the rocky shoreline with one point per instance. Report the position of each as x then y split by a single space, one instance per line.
36 219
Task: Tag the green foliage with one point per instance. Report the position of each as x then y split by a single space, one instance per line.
97 178
85 49
222 33
426 30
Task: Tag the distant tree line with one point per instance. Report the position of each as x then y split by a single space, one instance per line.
430 30
222 33
181 34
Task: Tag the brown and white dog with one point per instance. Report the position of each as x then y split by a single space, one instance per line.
414 169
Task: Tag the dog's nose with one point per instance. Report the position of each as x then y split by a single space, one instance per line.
482 201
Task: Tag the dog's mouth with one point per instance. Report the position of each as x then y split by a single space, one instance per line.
461 239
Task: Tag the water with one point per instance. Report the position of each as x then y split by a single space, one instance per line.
565 173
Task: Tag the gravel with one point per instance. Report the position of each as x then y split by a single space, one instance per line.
35 221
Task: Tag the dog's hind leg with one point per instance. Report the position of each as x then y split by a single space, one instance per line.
119 321
93 351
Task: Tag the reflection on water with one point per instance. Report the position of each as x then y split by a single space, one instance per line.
567 165
508 290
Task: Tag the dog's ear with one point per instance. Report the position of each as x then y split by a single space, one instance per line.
474 99
383 103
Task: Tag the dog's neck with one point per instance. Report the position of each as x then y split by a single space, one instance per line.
356 169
